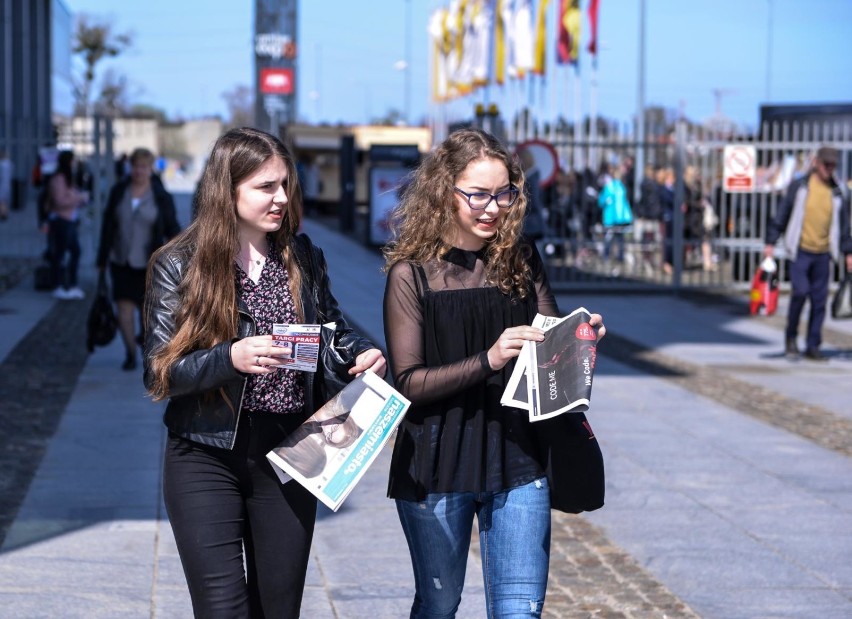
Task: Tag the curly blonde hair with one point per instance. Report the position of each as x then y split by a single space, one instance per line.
426 215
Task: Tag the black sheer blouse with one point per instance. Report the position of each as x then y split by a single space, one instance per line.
440 320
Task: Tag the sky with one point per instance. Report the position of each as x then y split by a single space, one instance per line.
702 56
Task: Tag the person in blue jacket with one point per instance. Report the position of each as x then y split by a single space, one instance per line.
616 215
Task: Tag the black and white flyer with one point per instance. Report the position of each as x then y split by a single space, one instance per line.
563 368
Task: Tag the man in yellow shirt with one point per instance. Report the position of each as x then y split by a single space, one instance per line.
814 221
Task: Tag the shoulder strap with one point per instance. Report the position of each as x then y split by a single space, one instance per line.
305 254
419 278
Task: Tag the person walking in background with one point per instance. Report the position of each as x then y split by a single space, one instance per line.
693 214
138 219
616 214
213 294
122 167
813 220
463 287
648 215
6 173
63 202
665 192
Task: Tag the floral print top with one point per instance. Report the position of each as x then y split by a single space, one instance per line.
270 302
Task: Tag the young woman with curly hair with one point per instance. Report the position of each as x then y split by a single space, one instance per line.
463 287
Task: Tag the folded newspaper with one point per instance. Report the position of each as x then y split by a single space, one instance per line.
564 365
329 453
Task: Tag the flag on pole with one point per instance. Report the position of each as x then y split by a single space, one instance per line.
568 37
540 38
467 46
441 50
483 26
522 31
593 23
499 42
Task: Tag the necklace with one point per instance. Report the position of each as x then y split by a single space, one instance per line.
251 265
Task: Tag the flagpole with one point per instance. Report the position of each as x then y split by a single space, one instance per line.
578 121
593 114
530 76
639 168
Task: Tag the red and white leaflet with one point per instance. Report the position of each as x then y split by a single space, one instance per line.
304 344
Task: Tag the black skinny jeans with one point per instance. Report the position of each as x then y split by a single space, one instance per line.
223 504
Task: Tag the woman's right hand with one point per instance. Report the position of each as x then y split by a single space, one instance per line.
257 354
509 344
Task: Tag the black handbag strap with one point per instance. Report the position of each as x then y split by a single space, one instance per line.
103 285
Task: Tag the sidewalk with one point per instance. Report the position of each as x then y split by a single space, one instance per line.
710 509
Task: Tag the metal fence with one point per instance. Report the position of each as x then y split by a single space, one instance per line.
713 238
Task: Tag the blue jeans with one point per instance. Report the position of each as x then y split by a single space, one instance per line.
63 239
614 235
514 538
809 275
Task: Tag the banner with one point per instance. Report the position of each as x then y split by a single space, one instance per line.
540 37
521 39
593 24
499 42
483 25
568 36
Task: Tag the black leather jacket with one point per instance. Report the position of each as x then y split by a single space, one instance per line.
205 390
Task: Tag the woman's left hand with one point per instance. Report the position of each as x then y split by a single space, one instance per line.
371 359
596 321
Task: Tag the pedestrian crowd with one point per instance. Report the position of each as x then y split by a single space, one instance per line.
606 222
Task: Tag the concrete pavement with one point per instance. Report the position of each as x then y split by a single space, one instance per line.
713 508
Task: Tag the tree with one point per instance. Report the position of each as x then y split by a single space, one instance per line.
392 118
146 110
240 102
114 91
95 41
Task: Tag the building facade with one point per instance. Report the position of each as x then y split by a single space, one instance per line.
35 73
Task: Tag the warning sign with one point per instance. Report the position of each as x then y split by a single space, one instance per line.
740 165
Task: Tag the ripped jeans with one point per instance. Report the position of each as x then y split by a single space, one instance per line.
514 539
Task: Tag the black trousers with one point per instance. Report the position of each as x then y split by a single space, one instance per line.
227 508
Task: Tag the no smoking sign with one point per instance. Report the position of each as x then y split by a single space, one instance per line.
740 165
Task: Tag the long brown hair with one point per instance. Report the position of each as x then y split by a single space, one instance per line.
207 314
425 217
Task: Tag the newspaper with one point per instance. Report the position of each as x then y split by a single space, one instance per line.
564 368
333 448
304 344
515 393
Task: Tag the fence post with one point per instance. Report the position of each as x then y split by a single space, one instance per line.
679 200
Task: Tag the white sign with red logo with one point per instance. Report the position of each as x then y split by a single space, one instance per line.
275 81
740 166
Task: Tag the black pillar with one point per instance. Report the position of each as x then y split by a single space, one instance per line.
347 183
